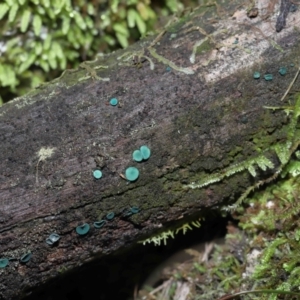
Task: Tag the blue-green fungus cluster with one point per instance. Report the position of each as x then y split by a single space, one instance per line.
132 173
113 101
256 75
268 77
25 258
110 216
236 41
131 211
168 69
52 239
282 71
97 174
142 154
99 224
137 155
83 229
3 262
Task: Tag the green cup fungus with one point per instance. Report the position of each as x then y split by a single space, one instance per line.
3 262
282 71
110 216
256 75
113 101
25 258
268 77
145 152
52 239
134 209
83 229
137 155
131 211
142 154
97 174
99 224
132 173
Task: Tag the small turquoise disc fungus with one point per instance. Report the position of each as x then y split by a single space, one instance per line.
97 174
52 239
282 71
268 77
99 224
137 155
132 173
113 101
110 216
83 229
3 263
25 258
134 209
168 69
145 152
131 211
256 75
236 41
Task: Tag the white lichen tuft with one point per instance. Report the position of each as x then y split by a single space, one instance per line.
43 154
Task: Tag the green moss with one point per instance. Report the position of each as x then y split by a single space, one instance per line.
204 47
71 26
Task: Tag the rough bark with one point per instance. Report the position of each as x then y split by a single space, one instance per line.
195 124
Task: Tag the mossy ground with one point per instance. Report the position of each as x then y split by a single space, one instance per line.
262 253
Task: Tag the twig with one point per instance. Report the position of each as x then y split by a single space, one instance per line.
291 84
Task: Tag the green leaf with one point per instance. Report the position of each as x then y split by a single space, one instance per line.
12 12
22 2
13 42
52 60
25 20
27 63
140 24
90 9
57 6
121 29
40 10
131 17
56 48
62 62
44 65
65 25
37 24
38 48
79 21
114 5
122 39
3 10
36 2
89 22
46 3
51 14
10 2
143 10
47 42
8 76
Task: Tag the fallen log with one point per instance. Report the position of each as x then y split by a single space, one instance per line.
204 96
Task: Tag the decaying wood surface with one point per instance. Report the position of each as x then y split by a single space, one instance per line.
198 109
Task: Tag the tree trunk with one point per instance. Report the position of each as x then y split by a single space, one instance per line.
188 94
